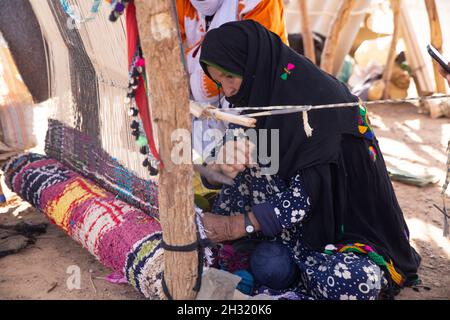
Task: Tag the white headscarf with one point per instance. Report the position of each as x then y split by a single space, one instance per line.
207 7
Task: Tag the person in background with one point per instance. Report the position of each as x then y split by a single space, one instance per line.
196 18
296 43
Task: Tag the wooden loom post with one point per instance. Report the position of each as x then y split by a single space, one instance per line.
436 41
395 4
414 55
308 41
336 27
168 84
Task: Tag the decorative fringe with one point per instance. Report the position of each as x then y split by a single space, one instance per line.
306 126
375 257
398 279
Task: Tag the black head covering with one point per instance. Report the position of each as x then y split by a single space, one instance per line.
248 49
352 199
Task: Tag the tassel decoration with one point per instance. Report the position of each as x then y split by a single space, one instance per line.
306 125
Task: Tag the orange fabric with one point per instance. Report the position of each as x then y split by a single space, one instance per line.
210 87
184 9
270 13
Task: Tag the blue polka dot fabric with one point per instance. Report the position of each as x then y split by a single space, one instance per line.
339 276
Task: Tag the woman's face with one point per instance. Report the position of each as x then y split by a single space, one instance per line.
230 84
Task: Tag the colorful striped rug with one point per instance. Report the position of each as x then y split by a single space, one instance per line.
120 236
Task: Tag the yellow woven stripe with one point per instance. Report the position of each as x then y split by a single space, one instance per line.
398 279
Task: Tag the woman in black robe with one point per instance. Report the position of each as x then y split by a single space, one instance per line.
331 202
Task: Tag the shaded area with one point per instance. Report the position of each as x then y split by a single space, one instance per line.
22 32
16 237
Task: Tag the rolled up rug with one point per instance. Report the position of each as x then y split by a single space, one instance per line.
120 236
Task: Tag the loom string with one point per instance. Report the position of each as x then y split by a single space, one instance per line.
113 63
272 110
109 57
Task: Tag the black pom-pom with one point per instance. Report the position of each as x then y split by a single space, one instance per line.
135 73
113 16
153 171
133 82
136 133
146 163
143 150
134 124
133 112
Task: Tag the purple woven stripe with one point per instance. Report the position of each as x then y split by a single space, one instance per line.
118 242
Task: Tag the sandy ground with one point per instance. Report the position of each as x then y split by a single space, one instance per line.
409 140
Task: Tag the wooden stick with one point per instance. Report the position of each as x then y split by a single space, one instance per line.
168 84
92 282
308 41
436 41
395 4
414 55
54 285
200 111
329 52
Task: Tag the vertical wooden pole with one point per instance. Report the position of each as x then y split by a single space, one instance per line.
308 41
395 4
336 27
436 41
168 85
414 55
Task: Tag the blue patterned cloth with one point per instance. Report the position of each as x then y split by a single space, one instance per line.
281 208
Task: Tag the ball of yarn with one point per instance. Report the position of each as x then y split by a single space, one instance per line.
247 283
272 265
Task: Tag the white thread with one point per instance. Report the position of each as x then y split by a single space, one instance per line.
306 125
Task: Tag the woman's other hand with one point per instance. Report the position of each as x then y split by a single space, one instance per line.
226 228
223 228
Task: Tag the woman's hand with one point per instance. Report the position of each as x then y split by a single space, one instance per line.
235 156
223 228
231 170
213 175
226 228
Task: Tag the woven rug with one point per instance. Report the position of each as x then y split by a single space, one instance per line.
120 236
